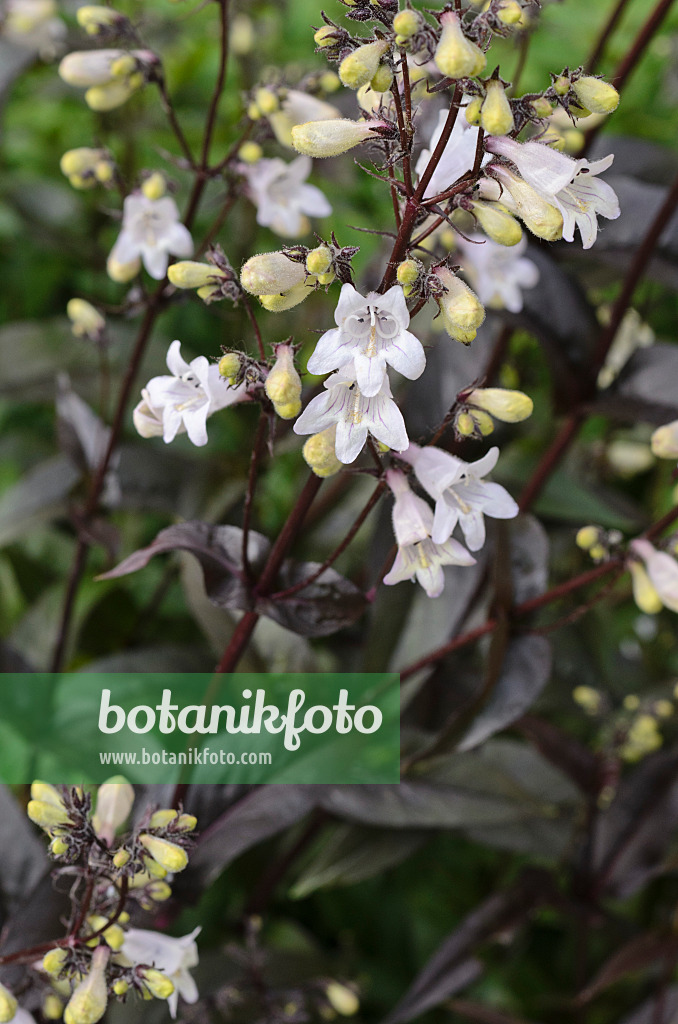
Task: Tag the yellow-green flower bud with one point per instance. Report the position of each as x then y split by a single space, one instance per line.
46 793
52 1007
465 424
597 552
359 67
121 273
88 1003
104 171
342 999
271 273
539 216
497 223
483 422
53 962
59 847
8 1005
644 593
504 404
187 822
162 818
267 101
113 94
157 983
588 699
113 936
97 19
461 310
329 81
597 96
250 152
664 441
586 537
191 274
155 186
561 86
120 987
325 37
456 56
319 453
159 891
280 302
121 858
283 384
80 166
541 107
114 803
319 260
253 112
496 117
510 13
330 138
407 23
326 278
382 80
86 322
123 66
168 855
408 271
229 366
473 109
47 816
663 708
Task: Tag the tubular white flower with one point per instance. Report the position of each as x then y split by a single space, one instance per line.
571 185
174 957
418 556
184 400
498 274
371 332
460 493
541 217
297 108
457 157
662 570
331 138
355 415
283 199
84 68
151 230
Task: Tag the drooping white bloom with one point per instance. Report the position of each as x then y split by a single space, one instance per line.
497 273
662 570
355 415
371 332
174 957
183 401
457 158
34 25
418 556
283 199
460 493
151 230
571 185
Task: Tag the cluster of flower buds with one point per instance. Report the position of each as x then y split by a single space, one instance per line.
213 280
109 76
85 167
581 94
279 281
86 320
478 406
461 311
599 543
102 22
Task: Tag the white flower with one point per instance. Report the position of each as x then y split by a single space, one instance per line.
33 24
371 332
417 554
662 570
297 108
283 199
185 400
664 441
569 184
457 158
461 496
498 273
172 956
151 229
356 416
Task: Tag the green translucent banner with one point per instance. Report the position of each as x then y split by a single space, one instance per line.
162 728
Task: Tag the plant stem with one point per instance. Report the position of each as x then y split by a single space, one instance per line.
219 85
602 40
257 452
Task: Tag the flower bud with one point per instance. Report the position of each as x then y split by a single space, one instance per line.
473 109
229 366
319 260
191 274
59 847
283 384
47 816
52 1007
114 803
86 321
561 86
46 793
250 152
123 857
597 96
8 1005
267 101
95 20
496 117
89 67
157 983
159 891
408 271
342 999
271 273
84 166
664 441
360 66
407 23
162 818
503 404
54 961
510 13
168 855
155 186
588 699
382 80
113 94
319 453
120 987
325 37
539 216
121 273
461 310
330 138
465 424
497 223
456 56
113 936
541 107
88 1003
587 537
326 278
644 594
187 822
287 300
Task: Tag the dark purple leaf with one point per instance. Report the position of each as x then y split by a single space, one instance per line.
650 949
646 387
327 605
